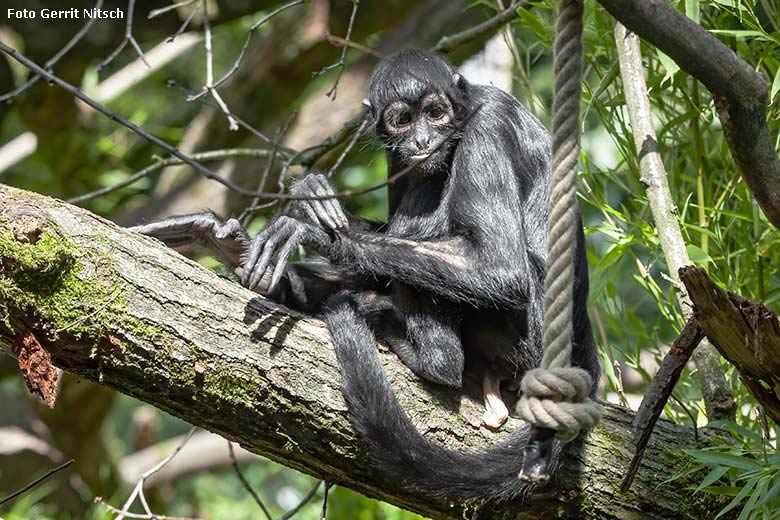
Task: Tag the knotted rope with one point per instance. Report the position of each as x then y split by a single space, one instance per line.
555 395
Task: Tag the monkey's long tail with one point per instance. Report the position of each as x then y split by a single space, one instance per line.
394 441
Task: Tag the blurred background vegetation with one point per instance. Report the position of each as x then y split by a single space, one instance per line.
52 144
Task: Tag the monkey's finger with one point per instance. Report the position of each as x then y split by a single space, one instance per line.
287 228
310 213
333 206
321 209
321 206
264 240
252 253
282 258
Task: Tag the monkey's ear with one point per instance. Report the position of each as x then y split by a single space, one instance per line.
366 103
459 81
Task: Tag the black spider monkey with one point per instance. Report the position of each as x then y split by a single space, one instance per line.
454 278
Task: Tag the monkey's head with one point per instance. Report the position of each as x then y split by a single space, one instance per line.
418 102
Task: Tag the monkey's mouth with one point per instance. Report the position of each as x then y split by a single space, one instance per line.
420 156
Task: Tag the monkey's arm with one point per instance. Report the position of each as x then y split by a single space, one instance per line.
226 239
456 267
304 286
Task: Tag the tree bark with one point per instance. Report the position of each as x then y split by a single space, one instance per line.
123 310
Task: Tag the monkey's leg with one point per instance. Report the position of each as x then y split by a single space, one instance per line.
226 239
496 412
426 342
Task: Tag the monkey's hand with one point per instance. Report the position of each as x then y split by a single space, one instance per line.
326 213
226 239
264 262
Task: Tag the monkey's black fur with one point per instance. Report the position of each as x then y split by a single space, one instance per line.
454 279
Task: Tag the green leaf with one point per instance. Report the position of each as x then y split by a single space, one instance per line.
714 458
697 255
742 34
737 499
692 10
760 491
775 85
669 65
714 475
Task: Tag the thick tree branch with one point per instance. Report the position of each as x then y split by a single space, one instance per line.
741 94
221 357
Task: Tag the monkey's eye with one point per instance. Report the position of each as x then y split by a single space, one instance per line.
436 112
403 118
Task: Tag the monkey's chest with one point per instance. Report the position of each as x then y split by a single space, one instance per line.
420 216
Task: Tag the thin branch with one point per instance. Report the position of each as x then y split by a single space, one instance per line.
129 38
305 500
162 10
342 60
242 123
338 41
246 215
35 482
243 480
233 124
160 163
140 516
138 490
250 34
54 59
185 24
449 43
717 394
351 145
324 512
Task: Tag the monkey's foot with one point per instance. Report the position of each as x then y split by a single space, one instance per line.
496 412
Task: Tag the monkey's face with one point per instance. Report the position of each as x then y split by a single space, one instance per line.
420 133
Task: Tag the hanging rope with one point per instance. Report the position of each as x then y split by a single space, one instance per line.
555 395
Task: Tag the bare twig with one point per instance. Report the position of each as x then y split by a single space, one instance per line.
35 482
129 38
54 59
160 163
350 145
324 512
338 41
341 63
449 43
246 215
233 124
138 490
250 34
243 480
242 123
162 10
185 23
305 500
140 516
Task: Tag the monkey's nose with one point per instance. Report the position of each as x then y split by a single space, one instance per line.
422 142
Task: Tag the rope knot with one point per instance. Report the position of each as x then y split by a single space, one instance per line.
558 399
